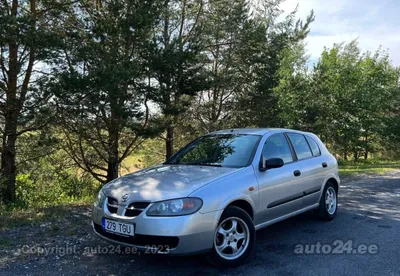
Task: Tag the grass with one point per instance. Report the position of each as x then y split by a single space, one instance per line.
36 215
131 164
351 168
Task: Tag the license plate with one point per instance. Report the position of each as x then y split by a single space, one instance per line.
117 227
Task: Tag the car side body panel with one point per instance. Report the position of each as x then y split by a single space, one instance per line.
277 193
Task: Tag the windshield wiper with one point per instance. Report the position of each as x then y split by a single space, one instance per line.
204 164
194 164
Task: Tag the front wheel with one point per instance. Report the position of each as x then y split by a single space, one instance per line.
234 238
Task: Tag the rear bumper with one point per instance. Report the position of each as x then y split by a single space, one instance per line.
169 235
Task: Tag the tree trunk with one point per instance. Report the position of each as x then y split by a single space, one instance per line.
169 142
355 155
8 167
11 111
113 164
113 141
366 148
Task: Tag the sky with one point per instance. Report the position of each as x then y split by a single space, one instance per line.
373 23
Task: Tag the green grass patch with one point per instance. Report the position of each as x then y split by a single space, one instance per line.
14 216
351 168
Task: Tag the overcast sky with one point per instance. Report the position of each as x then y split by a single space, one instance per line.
374 22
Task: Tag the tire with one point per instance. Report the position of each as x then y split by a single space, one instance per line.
327 209
228 236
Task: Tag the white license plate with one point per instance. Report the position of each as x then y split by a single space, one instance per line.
117 227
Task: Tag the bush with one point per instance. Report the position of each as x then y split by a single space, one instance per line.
60 190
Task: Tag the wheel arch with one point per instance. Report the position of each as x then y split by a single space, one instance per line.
241 200
334 182
243 204
332 178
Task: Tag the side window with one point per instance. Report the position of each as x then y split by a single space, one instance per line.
314 146
277 147
300 145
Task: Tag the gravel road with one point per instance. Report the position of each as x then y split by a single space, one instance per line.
363 239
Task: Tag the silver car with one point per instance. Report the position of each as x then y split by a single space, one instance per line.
214 193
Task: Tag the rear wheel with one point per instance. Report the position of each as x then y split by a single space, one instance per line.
328 204
234 238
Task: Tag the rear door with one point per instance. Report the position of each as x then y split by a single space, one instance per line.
312 166
315 174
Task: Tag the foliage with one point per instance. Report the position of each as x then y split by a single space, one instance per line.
101 86
176 62
52 179
90 90
30 33
358 85
226 21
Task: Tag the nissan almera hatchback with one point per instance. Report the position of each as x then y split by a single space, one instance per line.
214 193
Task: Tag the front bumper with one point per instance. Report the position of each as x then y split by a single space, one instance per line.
173 235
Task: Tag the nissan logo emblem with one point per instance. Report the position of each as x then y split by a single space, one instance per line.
125 197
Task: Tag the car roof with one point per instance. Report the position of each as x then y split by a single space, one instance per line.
253 131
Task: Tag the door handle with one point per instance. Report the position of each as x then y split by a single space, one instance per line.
324 165
297 173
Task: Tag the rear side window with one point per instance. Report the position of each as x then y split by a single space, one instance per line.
277 147
300 145
314 146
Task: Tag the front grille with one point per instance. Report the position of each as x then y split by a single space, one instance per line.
134 209
112 205
141 240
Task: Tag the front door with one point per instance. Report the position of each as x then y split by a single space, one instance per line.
280 189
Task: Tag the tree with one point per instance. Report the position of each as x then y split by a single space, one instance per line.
346 99
177 62
293 91
390 134
265 39
245 52
104 84
30 32
379 81
224 22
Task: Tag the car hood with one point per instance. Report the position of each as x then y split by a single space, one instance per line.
164 182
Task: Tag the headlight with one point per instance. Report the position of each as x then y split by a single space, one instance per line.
101 197
175 207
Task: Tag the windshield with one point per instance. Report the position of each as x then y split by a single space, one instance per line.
218 150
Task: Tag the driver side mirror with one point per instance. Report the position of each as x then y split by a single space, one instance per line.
271 163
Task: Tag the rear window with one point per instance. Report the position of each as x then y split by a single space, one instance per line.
300 145
314 146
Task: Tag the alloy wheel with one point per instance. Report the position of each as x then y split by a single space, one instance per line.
231 238
330 200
